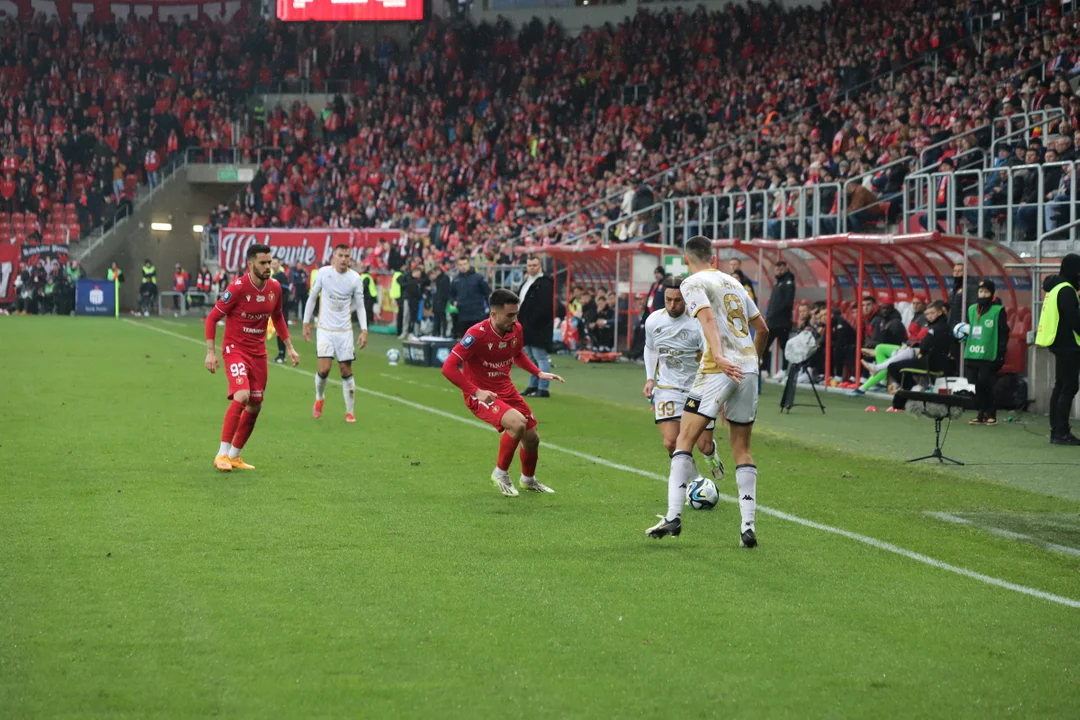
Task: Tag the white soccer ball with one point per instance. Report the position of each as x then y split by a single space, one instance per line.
701 494
961 331
393 356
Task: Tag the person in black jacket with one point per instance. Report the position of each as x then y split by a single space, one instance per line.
781 305
469 295
537 317
656 290
440 296
414 298
934 351
1063 343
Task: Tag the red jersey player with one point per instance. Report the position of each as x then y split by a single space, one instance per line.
486 353
247 303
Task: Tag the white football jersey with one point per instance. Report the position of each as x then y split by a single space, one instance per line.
339 295
677 344
733 309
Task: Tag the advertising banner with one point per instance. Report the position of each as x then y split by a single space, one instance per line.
350 10
9 266
95 297
309 247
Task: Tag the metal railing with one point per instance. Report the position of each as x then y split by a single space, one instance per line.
634 227
1030 125
968 201
232 156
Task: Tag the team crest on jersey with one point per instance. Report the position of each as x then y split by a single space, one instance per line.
271 297
226 296
467 340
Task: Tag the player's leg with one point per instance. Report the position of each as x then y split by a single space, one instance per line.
706 445
252 407
740 409
669 434
530 452
513 423
324 351
228 428
348 388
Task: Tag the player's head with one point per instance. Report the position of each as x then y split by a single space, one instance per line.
258 260
532 266
673 299
698 253
342 257
504 310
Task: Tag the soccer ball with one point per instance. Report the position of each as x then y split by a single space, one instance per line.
961 331
393 356
701 494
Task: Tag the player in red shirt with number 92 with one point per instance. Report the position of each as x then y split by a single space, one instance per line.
247 303
486 353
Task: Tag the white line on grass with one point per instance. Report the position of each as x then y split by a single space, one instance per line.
1008 534
866 540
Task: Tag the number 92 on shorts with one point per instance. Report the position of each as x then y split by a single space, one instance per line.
245 373
714 391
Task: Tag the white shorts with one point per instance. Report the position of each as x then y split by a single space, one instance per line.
715 391
335 344
668 405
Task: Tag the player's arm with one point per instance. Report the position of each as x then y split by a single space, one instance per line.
218 312
650 361
361 313
282 327
711 331
761 335
309 306
522 361
451 370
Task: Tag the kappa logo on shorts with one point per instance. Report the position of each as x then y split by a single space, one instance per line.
691 403
226 297
467 340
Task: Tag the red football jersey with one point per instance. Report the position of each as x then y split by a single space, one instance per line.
246 309
488 356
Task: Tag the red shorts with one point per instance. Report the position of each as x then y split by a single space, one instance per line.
246 372
493 414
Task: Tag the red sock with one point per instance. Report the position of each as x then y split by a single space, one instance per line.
232 419
507 446
528 461
243 432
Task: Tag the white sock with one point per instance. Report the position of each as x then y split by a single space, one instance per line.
320 387
682 472
711 455
348 389
746 481
502 474
224 449
234 452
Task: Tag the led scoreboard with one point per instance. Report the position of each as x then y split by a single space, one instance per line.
350 10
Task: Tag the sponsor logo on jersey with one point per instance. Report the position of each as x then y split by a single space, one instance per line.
227 296
259 298
467 340
501 345
254 331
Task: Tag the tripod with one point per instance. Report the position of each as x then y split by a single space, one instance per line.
787 401
937 445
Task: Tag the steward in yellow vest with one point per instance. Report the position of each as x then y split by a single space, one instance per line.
1059 330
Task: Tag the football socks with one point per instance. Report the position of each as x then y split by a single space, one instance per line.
682 472
348 389
507 447
320 387
746 481
243 432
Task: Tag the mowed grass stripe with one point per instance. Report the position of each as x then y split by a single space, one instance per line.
873 542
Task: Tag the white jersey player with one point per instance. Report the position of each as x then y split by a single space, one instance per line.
726 314
673 348
340 292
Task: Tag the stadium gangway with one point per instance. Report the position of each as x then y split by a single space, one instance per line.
780 214
631 228
1030 125
922 207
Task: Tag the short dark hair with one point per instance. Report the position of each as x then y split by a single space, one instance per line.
938 305
672 282
871 298
256 249
699 247
781 263
342 246
501 298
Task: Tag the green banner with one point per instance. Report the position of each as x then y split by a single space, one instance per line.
228 174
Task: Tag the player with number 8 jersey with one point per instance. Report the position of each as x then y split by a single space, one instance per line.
246 305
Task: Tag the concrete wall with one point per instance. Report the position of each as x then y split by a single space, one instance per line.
179 202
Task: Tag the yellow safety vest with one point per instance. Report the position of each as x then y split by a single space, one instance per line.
395 286
369 285
1048 318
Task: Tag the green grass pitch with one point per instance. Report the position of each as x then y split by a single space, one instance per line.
371 570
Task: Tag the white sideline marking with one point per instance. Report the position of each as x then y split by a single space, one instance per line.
1008 534
866 540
